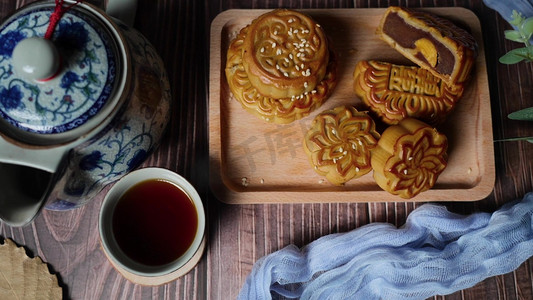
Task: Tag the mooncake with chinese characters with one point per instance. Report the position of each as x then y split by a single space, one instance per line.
432 42
339 142
409 158
281 67
395 92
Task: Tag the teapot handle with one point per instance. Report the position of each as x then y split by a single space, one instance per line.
124 10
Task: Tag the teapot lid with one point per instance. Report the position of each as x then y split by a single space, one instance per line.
85 74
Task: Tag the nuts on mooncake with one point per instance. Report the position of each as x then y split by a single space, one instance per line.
409 158
395 92
432 42
339 144
281 67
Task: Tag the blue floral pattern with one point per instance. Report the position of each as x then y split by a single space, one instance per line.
9 40
78 93
72 35
68 80
138 158
131 137
91 161
10 97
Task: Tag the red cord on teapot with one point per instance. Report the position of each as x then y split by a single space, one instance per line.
56 16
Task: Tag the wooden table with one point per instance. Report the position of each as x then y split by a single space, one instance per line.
241 234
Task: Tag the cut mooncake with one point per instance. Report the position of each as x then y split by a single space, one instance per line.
339 144
409 158
395 92
432 42
281 67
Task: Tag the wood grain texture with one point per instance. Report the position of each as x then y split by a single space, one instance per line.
241 234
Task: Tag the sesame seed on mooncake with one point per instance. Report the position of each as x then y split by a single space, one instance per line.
281 66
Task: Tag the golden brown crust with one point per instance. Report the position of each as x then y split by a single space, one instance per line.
395 92
409 158
280 111
339 143
432 42
285 53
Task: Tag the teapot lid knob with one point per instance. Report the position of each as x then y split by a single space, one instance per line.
36 58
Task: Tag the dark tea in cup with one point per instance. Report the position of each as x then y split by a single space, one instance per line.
154 222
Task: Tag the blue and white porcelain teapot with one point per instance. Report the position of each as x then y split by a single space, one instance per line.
84 99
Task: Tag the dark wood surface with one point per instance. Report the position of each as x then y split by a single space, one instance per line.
241 234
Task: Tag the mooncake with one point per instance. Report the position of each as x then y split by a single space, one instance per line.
395 92
281 67
339 143
409 158
432 42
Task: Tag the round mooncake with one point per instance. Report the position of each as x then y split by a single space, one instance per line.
339 144
281 67
409 158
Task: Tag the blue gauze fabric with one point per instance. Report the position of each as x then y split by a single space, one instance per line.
436 252
505 7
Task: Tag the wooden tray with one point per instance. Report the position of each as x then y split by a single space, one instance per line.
252 161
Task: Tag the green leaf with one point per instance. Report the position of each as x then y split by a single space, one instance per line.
514 56
86 91
530 52
513 35
527 26
39 109
522 115
91 55
527 38
93 78
529 141
516 18
34 89
23 23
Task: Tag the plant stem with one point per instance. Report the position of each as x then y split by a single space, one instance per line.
527 138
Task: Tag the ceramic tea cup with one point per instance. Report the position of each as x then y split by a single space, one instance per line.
152 226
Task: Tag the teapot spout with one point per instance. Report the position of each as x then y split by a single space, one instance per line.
24 191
